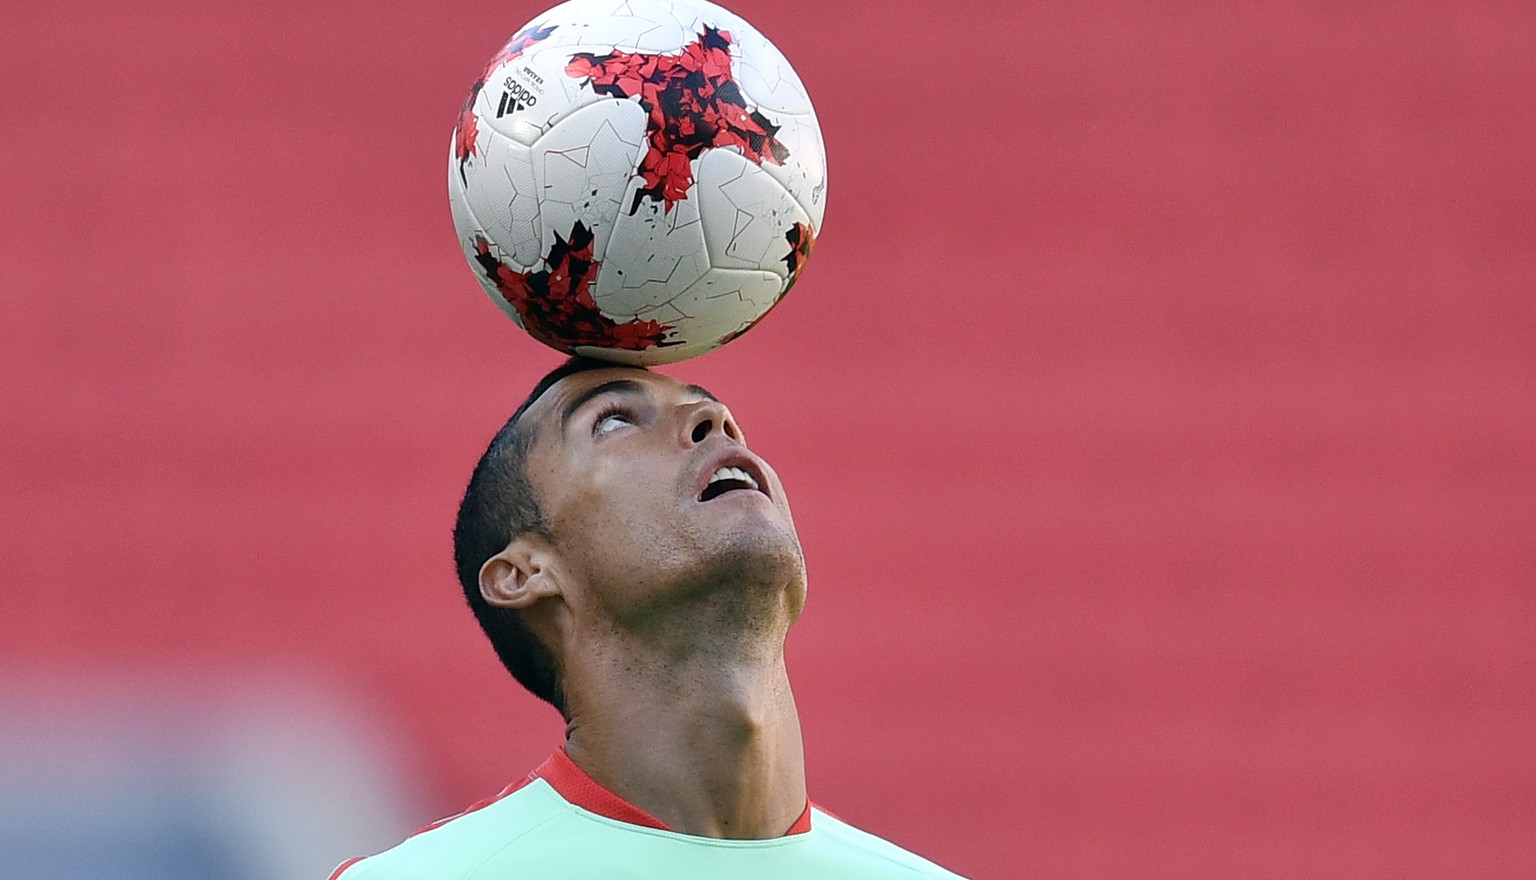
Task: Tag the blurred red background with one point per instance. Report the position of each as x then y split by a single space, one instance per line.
1157 408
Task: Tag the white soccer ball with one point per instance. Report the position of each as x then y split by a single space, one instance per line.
637 180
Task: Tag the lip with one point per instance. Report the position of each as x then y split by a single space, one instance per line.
732 457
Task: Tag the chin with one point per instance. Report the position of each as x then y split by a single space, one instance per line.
763 569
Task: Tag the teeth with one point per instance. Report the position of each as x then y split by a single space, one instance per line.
733 473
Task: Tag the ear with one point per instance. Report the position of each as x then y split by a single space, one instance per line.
522 574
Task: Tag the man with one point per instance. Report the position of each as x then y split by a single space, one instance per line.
635 565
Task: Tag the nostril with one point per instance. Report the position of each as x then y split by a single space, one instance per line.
701 430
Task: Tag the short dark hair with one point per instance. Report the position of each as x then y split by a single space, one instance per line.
500 504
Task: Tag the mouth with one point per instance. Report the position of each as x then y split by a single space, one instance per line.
738 476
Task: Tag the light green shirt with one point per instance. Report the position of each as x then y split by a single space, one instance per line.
533 832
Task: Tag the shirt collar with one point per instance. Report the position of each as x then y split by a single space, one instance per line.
572 783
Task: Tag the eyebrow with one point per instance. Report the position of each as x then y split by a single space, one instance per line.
616 386
613 386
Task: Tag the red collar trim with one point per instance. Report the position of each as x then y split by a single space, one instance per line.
573 784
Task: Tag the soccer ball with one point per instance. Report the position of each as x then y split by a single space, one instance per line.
637 180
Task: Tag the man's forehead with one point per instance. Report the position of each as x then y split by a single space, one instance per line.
579 385
574 384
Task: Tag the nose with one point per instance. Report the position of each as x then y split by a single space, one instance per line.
707 417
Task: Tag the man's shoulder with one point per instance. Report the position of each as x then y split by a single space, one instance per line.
877 851
454 847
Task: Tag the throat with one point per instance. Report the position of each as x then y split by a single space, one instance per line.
717 754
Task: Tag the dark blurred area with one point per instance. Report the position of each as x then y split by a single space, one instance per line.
1157 410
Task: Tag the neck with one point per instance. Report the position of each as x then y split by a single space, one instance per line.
707 740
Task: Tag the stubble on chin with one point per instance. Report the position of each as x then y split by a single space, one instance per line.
737 585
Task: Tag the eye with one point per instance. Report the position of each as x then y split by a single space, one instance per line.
610 420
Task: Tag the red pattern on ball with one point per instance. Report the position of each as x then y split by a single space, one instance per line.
555 304
692 103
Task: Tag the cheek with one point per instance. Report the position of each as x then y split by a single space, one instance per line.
605 495
779 492
601 483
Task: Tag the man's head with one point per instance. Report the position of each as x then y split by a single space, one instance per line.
613 497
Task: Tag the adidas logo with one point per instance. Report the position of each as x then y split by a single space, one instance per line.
515 98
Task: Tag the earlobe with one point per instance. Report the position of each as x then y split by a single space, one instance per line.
519 575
